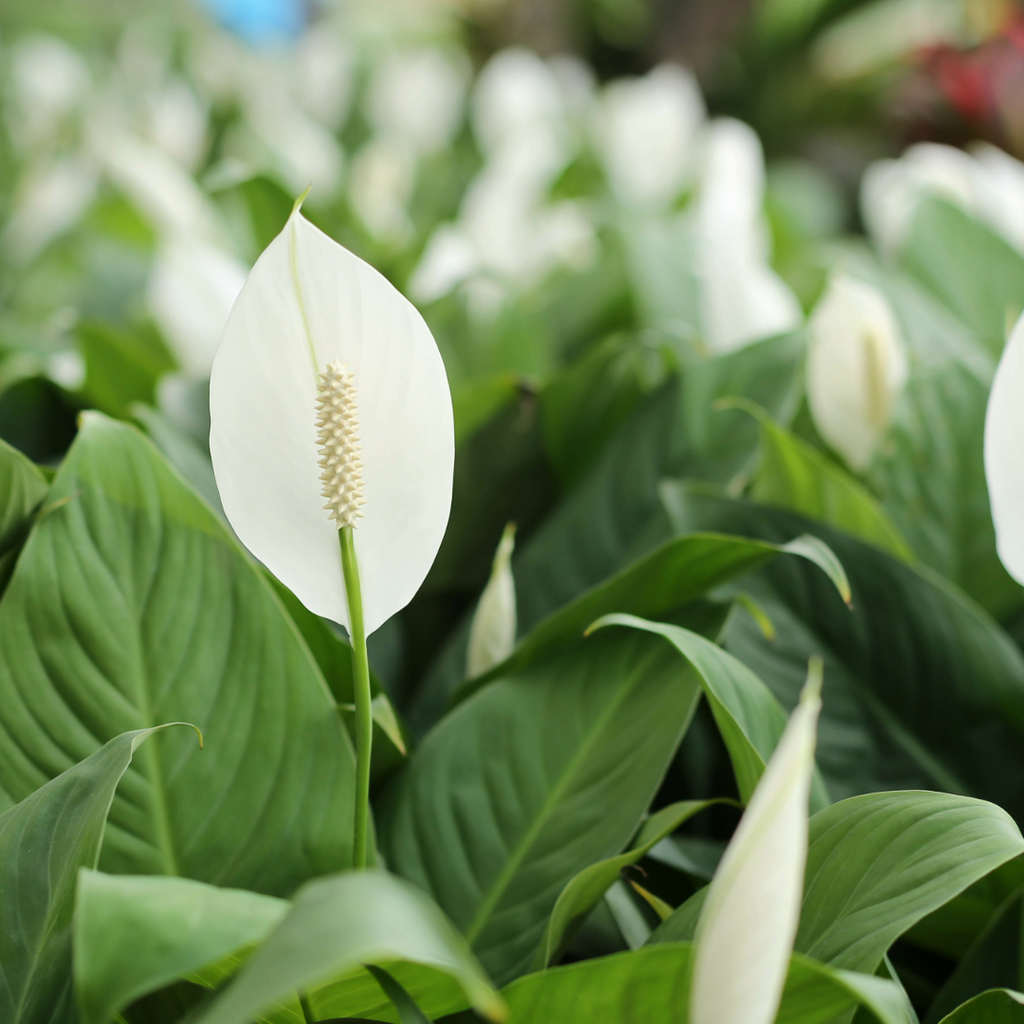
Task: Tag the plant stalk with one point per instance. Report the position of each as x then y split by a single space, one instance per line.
361 694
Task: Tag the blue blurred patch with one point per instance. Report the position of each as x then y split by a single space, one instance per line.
260 21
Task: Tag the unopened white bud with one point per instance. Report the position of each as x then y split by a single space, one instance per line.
338 437
493 632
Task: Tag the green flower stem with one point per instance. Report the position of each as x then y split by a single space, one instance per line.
361 692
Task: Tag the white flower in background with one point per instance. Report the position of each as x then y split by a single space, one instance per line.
178 122
492 634
192 287
999 181
856 368
156 185
49 201
748 924
50 83
381 179
1004 467
644 131
742 298
519 106
324 74
891 189
307 304
417 97
448 259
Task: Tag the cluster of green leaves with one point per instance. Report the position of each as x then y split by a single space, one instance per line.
544 832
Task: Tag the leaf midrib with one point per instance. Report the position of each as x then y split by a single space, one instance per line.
514 862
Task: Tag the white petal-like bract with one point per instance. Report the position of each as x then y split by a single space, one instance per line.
307 303
492 633
748 924
1004 463
856 368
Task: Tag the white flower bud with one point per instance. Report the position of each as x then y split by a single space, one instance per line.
493 632
856 368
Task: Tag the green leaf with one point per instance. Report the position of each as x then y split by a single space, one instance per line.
678 572
653 985
930 475
585 405
479 401
877 864
923 690
339 923
746 712
121 367
536 777
44 840
408 1011
22 490
964 264
998 1006
587 888
796 476
135 934
132 605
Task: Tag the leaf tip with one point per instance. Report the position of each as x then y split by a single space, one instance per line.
297 205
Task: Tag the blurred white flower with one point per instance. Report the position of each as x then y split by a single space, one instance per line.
50 82
380 183
748 924
178 123
300 150
492 633
856 368
67 369
999 180
48 202
518 105
644 131
191 290
156 185
448 259
1004 467
416 98
891 189
324 74
742 298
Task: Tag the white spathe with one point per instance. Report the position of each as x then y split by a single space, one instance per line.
742 299
644 131
492 634
307 303
747 926
856 367
192 287
1004 466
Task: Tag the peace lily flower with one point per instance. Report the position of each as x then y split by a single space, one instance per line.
1004 472
747 927
645 130
856 368
742 298
332 442
493 631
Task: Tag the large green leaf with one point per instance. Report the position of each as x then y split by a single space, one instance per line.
132 605
44 840
930 474
587 888
135 934
338 924
746 712
922 688
652 986
964 264
675 574
22 489
877 864
997 1006
534 778
796 476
